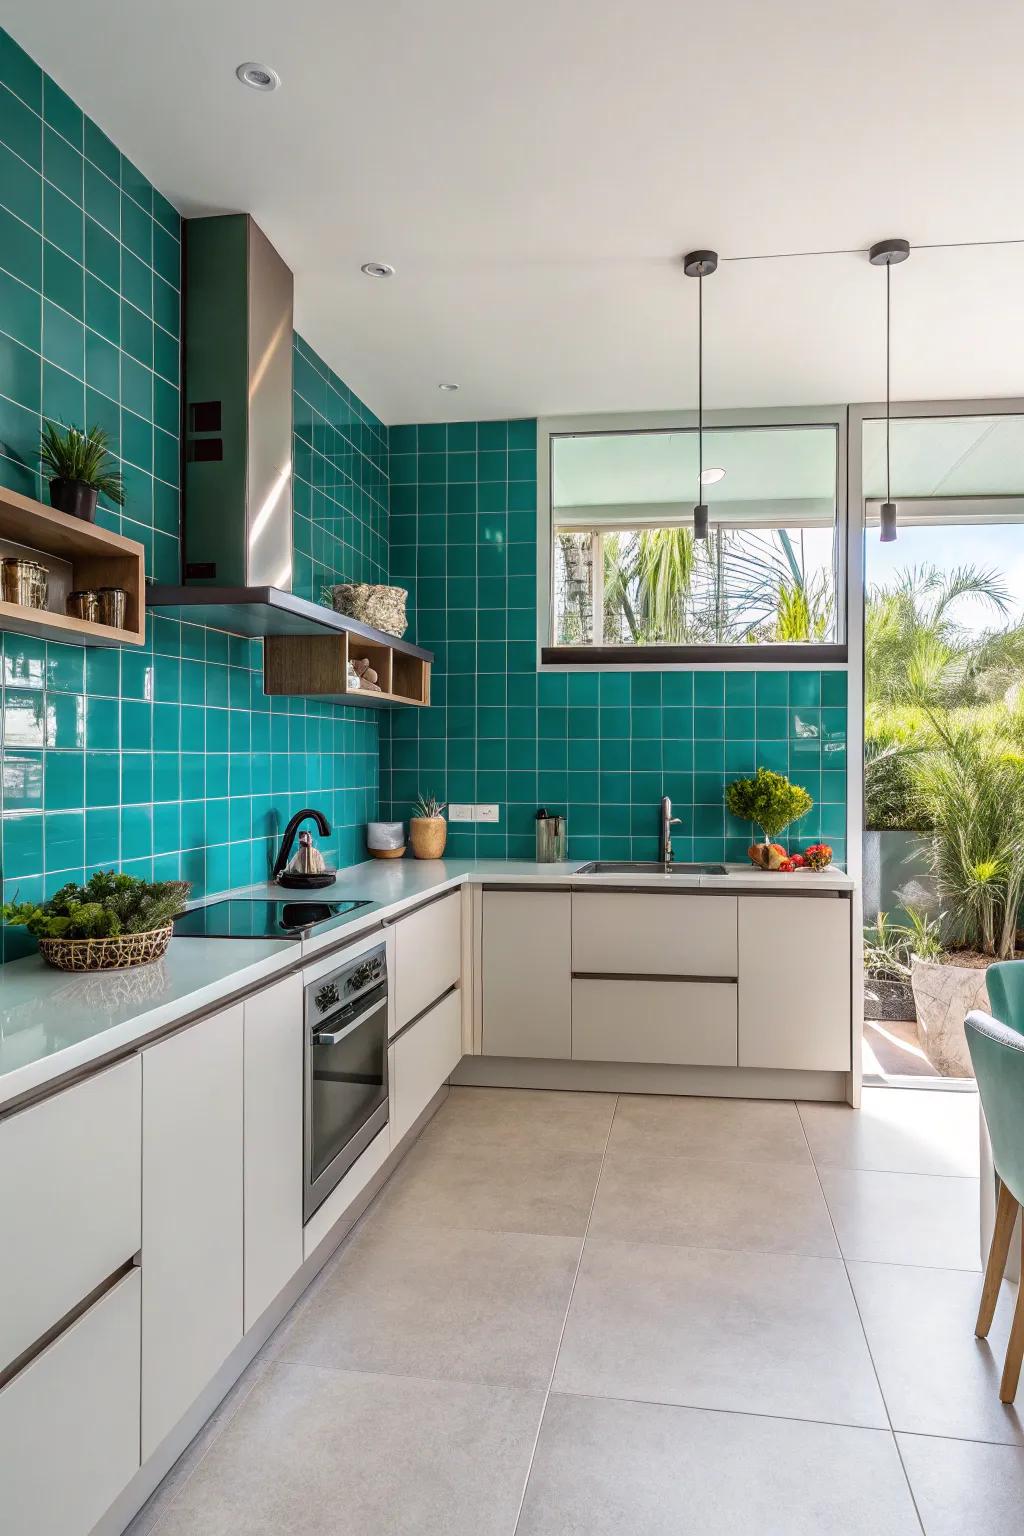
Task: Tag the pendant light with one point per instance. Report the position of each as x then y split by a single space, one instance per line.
888 254
700 264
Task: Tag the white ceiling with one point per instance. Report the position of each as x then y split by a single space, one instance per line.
533 172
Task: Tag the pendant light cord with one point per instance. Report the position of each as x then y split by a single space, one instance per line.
888 377
700 386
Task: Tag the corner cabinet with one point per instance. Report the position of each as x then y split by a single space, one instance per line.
191 1215
794 982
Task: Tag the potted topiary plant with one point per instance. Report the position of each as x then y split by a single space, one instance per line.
111 922
80 468
771 802
428 830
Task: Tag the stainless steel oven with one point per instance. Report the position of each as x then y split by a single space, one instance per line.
346 1090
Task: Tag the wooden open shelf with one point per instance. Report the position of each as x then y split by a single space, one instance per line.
316 666
77 555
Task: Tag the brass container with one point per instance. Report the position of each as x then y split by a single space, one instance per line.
428 835
113 606
24 581
83 605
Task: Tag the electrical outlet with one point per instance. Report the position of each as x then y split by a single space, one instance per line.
462 813
487 813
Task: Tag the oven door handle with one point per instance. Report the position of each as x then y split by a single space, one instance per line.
336 1036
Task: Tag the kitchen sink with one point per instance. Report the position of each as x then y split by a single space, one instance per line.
611 867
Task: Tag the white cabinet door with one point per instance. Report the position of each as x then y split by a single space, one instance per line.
70 1202
637 933
191 1215
690 1023
422 1059
272 1157
527 1004
69 1423
794 982
428 956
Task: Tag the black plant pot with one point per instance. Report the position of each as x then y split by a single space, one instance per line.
75 498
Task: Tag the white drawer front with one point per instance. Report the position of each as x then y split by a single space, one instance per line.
643 934
795 983
423 1058
69 1423
686 1023
70 1204
526 972
428 956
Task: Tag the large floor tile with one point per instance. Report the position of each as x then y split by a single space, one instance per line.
608 1469
897 1131
439 1302
745 1130
317 1452
492 1188
904 1218
523 1119
760 1206
961 1486
937 1378
761 1333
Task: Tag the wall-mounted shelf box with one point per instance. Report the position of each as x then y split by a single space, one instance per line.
77 555
306 647
316 666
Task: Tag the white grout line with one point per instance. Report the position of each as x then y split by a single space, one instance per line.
863 1329
565 1319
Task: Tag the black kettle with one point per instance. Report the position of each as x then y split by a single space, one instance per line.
306 871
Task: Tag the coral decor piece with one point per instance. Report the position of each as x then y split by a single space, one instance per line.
365 675
818 856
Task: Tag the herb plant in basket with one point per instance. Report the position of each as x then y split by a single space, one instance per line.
112 921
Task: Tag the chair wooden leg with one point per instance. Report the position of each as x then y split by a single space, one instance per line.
1015 1347
1006 1215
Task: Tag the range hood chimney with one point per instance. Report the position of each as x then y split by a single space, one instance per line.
237 524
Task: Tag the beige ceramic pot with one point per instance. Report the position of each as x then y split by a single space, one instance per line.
944 995
428 835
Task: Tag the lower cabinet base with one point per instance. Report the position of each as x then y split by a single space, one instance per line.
151 1474
645 1077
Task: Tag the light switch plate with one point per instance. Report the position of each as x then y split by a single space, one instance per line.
462 813
487 813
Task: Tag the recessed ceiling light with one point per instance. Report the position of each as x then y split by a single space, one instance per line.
377 269
711 476
449 389
260 77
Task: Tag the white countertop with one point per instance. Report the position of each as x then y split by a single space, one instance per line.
53 1023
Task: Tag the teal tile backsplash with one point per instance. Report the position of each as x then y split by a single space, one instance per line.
170 760
603 746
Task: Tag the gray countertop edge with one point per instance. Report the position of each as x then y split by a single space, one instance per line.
53 1024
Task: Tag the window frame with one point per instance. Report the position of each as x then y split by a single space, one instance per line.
678 657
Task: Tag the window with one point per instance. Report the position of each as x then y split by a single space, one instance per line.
628 576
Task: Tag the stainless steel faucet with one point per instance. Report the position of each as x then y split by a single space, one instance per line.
668 821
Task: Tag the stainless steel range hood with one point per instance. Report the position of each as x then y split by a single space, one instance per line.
237 425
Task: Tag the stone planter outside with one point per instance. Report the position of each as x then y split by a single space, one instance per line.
888 1000
944 995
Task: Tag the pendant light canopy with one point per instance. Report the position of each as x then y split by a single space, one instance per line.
888 254
700 264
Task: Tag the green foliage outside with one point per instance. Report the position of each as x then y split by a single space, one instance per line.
106 906
769 800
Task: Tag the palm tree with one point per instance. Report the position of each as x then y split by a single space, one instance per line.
914 648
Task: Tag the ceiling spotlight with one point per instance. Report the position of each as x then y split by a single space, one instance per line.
449 389
711 476
377 269
259 77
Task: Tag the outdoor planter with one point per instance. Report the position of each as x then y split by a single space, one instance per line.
945 995
888 999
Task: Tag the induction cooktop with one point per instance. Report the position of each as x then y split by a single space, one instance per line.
237 918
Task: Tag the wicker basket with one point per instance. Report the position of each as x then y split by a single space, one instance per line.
381 607
106 954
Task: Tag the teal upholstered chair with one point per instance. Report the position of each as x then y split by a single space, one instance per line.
997 1052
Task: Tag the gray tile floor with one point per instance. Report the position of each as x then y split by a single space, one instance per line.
582 1313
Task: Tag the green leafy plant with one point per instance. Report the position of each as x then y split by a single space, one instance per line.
426 808
769 800
890 947
108 905
67 453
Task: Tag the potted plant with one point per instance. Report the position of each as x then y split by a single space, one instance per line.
428 830
771 802
80 468
111 922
